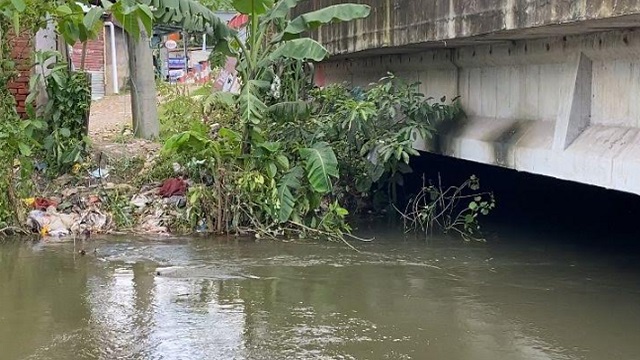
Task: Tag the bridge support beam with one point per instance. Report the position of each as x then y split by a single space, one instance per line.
574 115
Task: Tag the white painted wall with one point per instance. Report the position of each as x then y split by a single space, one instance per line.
46 39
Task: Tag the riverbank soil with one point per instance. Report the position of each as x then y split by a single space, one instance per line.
111 190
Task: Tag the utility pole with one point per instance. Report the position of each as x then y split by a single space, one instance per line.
143 87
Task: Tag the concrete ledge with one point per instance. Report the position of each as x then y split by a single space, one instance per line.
395 26
494 141
605 156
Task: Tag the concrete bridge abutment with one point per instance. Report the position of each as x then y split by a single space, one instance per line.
566 106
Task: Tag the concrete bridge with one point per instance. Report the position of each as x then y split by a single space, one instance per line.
550 87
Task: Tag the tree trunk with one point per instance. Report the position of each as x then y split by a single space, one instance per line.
143 87
87 114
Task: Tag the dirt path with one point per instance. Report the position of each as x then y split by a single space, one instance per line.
110 114
109 129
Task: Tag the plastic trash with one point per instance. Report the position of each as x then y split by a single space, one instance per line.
40 166
177 201
201 227
94 221
38 203
100 173
177 168
51 223
140 201
154 223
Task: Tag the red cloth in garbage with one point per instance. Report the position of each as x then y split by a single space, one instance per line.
173 186
43 204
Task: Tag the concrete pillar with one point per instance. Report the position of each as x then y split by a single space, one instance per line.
574 114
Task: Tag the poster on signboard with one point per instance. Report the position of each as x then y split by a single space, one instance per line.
227 76
177 63
227 79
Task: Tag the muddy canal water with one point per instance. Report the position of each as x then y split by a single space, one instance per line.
399 298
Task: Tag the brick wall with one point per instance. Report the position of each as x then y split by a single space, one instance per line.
21 49
95 54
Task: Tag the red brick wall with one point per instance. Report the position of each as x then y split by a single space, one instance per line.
21 49
95 54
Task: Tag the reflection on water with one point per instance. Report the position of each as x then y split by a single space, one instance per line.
398 299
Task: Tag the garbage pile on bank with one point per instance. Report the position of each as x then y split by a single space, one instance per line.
151 209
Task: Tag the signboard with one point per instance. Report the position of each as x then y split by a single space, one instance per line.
177 63
174 75
170 44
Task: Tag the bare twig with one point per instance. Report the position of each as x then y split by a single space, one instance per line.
324 233
13 230
359 238
436 206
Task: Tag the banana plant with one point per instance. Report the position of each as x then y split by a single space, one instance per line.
321 166
193 16
273 37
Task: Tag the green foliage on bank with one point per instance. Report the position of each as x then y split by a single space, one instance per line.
282 157
53 137
312 161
